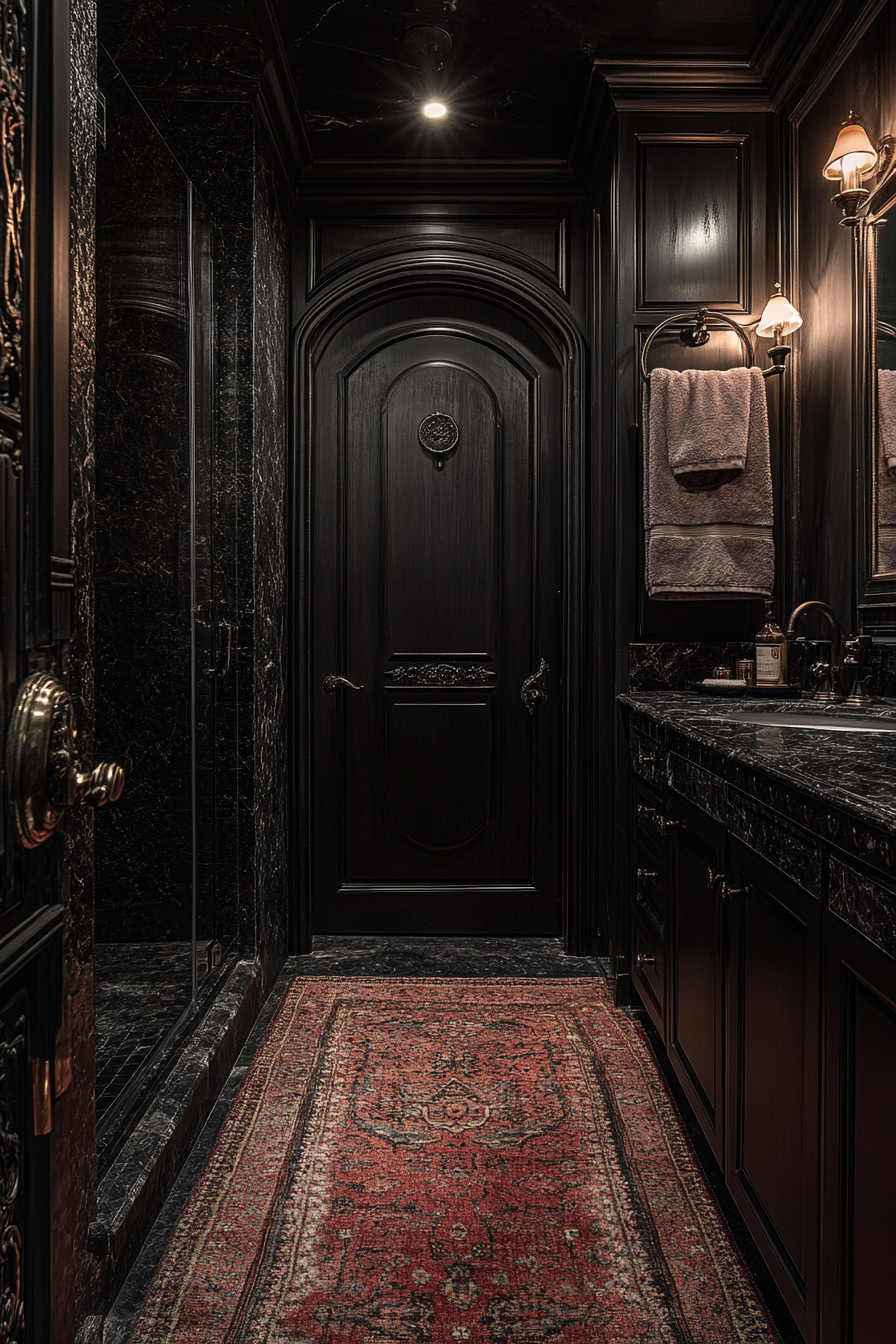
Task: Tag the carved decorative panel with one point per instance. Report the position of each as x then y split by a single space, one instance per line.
13 92
439 674
12 1126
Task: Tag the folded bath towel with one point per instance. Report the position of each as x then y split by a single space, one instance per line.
707 417
710 543
886 415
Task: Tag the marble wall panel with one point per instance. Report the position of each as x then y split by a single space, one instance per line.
671 666
269 555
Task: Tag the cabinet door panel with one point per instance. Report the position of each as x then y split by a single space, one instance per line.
773 1074
697 1009
860 1184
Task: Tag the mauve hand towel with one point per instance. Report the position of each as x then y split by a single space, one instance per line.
708 418
709 544
886 415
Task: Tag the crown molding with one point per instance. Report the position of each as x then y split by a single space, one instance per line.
684 85
800 52
499 176
277 99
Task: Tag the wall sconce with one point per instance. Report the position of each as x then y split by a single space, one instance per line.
779 318
852 158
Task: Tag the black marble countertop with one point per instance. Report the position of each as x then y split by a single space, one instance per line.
855 771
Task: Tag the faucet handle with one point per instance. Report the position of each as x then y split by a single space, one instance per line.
855 650
860 676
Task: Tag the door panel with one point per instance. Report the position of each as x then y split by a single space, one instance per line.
437 588
439 773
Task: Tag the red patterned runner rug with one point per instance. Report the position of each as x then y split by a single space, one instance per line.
436 1161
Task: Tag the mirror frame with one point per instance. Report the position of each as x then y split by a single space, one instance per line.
876 596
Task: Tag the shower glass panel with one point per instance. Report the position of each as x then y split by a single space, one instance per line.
159 949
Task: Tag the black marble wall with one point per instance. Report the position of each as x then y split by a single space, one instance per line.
73 1189
269 554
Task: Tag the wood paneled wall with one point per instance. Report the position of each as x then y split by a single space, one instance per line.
695 229
828 562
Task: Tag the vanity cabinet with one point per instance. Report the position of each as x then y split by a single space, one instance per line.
764 950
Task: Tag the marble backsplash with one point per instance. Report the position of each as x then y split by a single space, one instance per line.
673 666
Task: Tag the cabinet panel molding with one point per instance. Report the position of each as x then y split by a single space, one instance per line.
693 221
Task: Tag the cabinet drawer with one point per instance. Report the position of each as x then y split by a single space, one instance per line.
650 822
649 969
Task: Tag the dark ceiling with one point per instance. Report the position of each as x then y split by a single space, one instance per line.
515 78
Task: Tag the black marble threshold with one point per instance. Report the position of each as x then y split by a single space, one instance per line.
338 954
134 1189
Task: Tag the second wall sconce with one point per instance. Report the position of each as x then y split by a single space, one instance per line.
852 159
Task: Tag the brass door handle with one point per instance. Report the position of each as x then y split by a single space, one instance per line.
533 690
646 874
44 775
641 962
332 683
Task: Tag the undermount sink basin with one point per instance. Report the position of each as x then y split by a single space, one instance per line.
829 723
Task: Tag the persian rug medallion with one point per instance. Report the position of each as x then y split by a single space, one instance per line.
434 1161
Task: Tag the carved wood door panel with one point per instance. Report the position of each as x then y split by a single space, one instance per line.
437 585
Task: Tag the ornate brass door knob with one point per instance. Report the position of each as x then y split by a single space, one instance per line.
43 772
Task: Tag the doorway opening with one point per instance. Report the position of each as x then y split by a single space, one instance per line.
438 625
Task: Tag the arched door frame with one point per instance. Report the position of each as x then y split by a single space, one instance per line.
442 270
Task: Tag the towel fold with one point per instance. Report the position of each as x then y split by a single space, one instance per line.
707 418
710 543
886 416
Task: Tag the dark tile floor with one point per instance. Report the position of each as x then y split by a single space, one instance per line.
141 990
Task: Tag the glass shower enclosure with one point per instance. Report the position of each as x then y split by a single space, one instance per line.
162 940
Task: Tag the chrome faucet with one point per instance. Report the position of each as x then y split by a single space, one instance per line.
830 673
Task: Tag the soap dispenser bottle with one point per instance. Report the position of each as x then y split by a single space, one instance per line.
771 652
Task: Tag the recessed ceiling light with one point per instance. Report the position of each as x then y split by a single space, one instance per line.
435 110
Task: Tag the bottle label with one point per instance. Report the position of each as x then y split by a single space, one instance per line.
768 664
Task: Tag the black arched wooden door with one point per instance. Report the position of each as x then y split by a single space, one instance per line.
437 591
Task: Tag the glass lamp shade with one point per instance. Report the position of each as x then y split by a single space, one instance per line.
779 312
853 155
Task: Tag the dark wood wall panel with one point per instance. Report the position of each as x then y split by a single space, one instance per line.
693 222
695 229
337 243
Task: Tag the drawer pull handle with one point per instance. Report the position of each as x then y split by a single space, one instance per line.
646 874
732 891
641 962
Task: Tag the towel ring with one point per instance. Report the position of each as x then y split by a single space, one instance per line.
698 334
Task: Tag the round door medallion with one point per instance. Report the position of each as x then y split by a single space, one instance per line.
438 433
